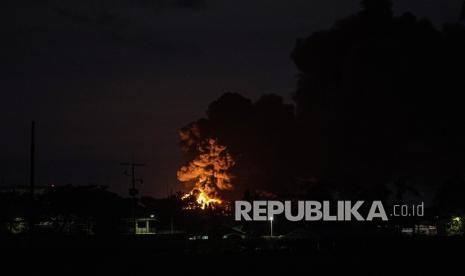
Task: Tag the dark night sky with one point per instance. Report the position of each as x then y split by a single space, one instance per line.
108 78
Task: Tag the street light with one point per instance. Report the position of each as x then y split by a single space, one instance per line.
271 226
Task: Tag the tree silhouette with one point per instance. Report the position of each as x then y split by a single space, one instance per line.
92 206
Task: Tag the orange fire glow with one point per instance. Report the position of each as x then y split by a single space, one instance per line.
209 172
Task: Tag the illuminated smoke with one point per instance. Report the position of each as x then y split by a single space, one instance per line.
209 172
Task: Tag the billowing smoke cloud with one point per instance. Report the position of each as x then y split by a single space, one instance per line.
257 135
209 172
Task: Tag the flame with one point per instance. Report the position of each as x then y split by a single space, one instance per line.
203 200
209 171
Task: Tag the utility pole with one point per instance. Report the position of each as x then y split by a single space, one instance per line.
462 13
172 225
271 226
133 191
32 178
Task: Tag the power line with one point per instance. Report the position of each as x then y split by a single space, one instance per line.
133 191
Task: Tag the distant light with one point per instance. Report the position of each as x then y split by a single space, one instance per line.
271 218
152 216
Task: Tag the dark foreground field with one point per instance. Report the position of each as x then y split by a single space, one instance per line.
151 255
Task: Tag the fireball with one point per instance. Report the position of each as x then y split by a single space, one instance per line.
209 173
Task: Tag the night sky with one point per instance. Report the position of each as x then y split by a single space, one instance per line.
105 79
